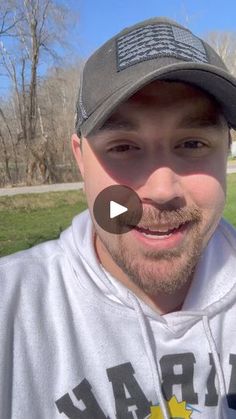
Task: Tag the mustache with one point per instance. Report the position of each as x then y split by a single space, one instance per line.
155 217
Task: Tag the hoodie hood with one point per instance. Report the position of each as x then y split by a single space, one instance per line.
213 288
68 326
212 292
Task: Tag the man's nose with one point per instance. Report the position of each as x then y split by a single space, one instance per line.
162 186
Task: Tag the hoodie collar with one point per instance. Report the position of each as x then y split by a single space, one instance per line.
212 289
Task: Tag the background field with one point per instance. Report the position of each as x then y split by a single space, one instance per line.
26 220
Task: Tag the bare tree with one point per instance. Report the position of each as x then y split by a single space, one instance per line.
224 43
39 26
57 97
8 20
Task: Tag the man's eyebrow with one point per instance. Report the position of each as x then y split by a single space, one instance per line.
188 121
201 121
118 125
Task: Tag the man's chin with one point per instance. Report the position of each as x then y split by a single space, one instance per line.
163 276
154 271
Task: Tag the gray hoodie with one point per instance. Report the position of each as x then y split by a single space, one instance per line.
75 343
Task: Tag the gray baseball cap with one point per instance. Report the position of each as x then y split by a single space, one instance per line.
155 49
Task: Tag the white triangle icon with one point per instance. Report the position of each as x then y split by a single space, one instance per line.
116 209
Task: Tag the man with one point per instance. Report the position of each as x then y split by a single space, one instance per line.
131 313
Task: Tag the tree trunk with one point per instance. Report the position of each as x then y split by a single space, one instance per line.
6 159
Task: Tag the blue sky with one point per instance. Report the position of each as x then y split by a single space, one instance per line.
100 19
95 21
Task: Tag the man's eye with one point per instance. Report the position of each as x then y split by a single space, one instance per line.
122 148
192 144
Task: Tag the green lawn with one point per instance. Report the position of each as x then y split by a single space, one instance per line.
230 209
26 220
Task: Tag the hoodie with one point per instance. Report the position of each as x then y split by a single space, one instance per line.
76 343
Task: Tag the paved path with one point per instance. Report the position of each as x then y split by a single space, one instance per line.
231 167
64 186
41 188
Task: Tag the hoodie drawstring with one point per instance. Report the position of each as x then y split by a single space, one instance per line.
219 371
152 362
156 376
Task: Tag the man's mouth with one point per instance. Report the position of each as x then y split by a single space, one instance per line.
160 232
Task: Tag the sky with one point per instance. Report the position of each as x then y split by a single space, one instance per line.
101 19
95 21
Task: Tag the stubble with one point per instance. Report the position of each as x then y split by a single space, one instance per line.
161 271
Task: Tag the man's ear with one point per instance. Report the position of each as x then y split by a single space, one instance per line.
77 151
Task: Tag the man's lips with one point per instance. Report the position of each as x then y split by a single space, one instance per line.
161 240
155 231
160 229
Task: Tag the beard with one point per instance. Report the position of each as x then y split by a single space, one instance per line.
159 271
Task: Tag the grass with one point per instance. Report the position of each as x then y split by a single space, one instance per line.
230 208
26 220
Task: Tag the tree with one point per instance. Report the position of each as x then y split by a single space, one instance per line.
224 43
39 27
8 20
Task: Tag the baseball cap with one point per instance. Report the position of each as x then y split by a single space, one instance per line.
155 49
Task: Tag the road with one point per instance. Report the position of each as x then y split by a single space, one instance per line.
64 186
232 167
41 188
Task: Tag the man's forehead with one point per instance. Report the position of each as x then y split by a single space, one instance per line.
165 92
197 107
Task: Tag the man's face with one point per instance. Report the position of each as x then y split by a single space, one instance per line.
168 143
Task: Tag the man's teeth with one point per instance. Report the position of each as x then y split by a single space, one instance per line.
156 236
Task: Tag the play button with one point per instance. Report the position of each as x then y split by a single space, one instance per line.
117 209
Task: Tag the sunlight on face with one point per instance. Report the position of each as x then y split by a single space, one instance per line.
169 143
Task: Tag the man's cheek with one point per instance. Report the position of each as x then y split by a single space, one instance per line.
207 192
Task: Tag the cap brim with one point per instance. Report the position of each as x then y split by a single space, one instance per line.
211 79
